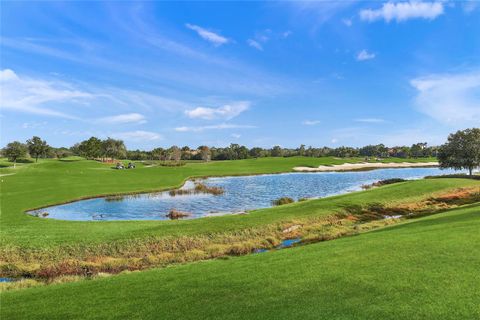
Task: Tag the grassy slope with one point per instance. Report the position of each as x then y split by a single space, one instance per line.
423 269
52 181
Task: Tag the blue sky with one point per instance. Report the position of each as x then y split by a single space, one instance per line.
254 73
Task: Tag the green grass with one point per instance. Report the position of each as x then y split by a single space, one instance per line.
50 182
422 269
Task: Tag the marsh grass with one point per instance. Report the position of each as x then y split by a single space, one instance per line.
115 198
382 183
282 201
198 188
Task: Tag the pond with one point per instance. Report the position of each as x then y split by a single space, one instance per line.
241 194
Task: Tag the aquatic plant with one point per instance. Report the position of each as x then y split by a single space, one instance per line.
198 188
175 214
114 198
282 201
382 183
203 188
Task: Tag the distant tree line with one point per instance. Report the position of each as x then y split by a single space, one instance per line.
461 151
95 148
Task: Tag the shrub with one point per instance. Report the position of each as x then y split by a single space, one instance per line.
282 201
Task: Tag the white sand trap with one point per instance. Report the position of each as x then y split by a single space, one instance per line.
366 165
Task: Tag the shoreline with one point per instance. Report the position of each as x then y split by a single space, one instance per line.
332 168
366 165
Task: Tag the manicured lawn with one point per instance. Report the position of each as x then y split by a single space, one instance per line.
52 181
423 269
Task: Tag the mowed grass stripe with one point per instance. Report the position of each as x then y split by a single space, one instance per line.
422 269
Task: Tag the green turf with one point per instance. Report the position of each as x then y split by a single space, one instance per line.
54 181
422 269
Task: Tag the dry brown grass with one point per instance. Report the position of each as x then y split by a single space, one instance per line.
68 263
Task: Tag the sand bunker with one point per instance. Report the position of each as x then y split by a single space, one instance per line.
366 165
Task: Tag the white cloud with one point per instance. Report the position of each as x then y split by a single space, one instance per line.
57 98
450 98
236 135
401 11
210 36
30 95
34 125
365 55
370 120
228 111
310 122
347 22
255 44
138 136
124 118
287 34
213 127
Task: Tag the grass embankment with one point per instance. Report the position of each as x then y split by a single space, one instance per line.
51 182
421 269
48 249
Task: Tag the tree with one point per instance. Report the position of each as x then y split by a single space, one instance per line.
462 150
62 152
91 148
205 153
256 152
301 150
112 148
37 147
277 151
159 153
174 153
15 150
418 149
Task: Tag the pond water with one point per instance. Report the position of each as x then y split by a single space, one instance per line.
241 194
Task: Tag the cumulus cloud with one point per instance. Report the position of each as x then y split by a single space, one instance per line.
213 127
125 118
31 95
208 35
365 55
402 11
310 122
254 44
449 98
138 136
227 112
